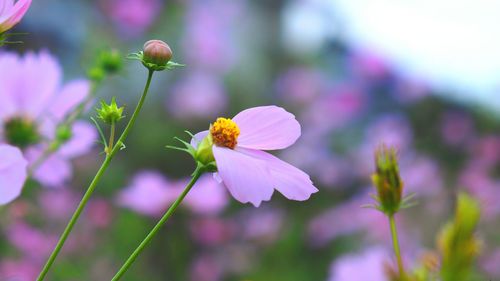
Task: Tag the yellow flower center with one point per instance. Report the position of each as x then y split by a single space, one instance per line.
225 132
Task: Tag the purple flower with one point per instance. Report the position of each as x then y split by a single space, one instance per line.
368 265
22 270
249 173
200 95
150 193
132 17
11 14
32 106
13 173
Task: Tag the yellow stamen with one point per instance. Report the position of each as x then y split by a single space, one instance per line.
225 132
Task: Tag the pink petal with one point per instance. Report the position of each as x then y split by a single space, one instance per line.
246 177
5 6
13 15
54 171
38 83
267 128
13 173
69 98
83 139
197 138
9 76
290 181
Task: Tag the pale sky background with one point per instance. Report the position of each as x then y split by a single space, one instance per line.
453 45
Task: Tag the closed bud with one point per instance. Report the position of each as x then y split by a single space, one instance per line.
110 113
156 54
387 180
111 61
204 152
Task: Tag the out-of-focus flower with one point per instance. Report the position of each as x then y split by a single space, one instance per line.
237 145
369 265
490 263
13 173
132 17
262 225
300 85
32 106
100 212
206 268
457 128
11 13
150 193
22 270
213 38
30 241
211 231
199 95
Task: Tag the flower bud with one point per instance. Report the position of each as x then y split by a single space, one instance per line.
387 180
156 54
111 61
111 113
204 153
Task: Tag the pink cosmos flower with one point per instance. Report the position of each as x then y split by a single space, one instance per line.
13 173
249 173
33 103
11 14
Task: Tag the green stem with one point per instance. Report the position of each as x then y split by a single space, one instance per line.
94 182
395 244
197 173
111 138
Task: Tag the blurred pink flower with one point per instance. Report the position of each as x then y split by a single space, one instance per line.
206 268
11 13
99 212
13 173
150 193
262 225
199 95
132 17
457 128
33 96
249 173
300 85
213 37
368 265
58 204
30 241
211 231
22 270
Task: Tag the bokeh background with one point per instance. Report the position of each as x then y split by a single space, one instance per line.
421 75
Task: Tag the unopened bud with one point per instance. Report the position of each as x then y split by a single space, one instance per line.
387 180
156 54
110 113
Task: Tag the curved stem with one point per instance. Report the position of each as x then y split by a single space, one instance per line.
93 184
128 263
395 244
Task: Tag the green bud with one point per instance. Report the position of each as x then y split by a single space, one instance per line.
204 153
111 61
457 242
387 180
111 113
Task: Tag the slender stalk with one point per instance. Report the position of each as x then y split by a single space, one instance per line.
395 244
111 138
128 263
94 183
